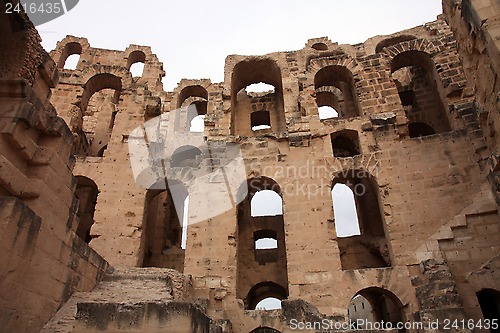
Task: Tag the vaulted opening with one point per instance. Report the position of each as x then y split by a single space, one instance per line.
335 88
257 98
135 63
86 192
266 291
375 305
70 56
165 227
364 246
99 105
196 99
417 81
72 62
261 255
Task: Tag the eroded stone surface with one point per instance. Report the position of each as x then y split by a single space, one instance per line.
415 140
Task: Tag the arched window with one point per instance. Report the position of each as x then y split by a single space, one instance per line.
99 105
416 78
334 86
393 41
86 192
261 254
196 99
70 56
330 101
135 63
192 91
256 97
267 290
165 227
366 248
265 240
375 305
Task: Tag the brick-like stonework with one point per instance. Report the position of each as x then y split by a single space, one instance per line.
415 140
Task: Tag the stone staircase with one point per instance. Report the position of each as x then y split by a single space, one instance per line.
134 300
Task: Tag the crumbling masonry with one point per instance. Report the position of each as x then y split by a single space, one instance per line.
412 134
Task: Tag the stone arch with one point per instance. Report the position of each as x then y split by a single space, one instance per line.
186 156
264 290
161 243
68 46
392 41
341 73
383 306
135 57
121 73
418 44
195 90
255 70
86 192
68 50
256 266
193 95
420 88
99 121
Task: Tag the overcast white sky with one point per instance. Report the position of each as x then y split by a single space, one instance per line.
192 38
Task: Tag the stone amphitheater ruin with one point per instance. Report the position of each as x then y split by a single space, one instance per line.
90 245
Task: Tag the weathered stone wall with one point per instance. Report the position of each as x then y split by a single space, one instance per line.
416 132
43 262
420 186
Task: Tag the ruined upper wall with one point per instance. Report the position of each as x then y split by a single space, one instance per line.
92 59
475 25
420 185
